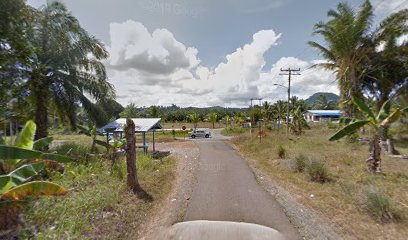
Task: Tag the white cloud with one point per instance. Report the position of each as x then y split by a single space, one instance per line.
384 8
310 81
156 69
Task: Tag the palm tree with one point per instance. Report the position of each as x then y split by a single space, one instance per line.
213 118
227 120
386 76
66 68
267 110
279 108
130 111
194 118
384 118
345 34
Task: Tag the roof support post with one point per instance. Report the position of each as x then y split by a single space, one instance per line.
154 145
144 142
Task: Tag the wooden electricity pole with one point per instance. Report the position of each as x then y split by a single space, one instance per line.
289 72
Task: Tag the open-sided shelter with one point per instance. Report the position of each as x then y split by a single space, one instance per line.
142 126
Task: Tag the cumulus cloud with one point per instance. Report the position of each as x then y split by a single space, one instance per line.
156 69
133 47
384 8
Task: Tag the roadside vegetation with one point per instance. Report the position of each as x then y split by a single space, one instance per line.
331 178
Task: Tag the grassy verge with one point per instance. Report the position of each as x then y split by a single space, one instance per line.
360 205
230 131
98 205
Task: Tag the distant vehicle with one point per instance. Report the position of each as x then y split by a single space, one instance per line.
199 133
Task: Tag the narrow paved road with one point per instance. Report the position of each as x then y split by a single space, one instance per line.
226 190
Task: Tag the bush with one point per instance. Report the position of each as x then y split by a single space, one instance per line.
300 162
318 172
380 206
281 151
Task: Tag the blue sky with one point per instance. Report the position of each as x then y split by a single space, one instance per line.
178 50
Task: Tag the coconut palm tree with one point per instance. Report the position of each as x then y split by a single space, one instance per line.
344 35
194 118
213 118
66 68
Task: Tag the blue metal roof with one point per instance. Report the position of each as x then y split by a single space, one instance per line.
141 125
325 113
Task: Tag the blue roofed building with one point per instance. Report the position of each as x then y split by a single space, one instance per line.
322 115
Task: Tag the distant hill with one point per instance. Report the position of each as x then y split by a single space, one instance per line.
330 97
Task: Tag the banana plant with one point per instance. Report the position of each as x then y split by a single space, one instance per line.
24 150
21 162
383 119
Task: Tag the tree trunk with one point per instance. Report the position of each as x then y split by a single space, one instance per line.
374 161
132 180
10 222
386 142
41 115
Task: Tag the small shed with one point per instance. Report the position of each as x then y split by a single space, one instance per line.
322 115
142 126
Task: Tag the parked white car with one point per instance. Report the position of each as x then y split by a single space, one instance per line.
199 133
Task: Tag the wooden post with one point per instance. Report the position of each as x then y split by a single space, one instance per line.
132 181
154 145
144 142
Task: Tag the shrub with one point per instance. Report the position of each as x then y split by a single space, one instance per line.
300 162
318 172
281 151
380 206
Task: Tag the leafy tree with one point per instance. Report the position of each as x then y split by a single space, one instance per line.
384 118
227 120
278 109
298 122
352 52
267 110
213 118
194 118
154 111
344 35
130 111
66 67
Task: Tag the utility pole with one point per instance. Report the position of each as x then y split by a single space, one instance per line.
289 72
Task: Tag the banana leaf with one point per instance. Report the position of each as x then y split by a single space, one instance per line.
41 143
349 129
384 111
362 106
35 188
20 175
25 138
10 152
394 116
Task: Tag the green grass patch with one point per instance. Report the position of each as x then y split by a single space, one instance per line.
230 131
98 204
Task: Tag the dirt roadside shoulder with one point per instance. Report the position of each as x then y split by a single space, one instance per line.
173 208
309 223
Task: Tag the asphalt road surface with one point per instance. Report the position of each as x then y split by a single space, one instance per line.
226 190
